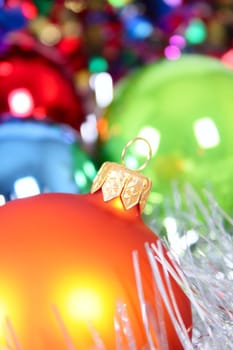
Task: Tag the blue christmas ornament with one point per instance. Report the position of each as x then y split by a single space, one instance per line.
38 157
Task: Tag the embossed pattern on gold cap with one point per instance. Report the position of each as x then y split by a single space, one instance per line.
116 180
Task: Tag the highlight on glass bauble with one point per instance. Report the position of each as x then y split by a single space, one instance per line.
32 153
184 109
39 86
85 272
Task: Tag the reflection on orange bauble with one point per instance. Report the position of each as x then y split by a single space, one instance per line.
65 263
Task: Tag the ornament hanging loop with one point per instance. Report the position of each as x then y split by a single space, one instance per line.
116 180
148 156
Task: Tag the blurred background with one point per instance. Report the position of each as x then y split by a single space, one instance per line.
80 78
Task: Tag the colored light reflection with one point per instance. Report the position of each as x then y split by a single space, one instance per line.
117 204
196 32
206 133
80 178
50 34
3 313
29 10
152 136
89 169
172 52
98 64
20 102
6 68
10 313
131 162
118 3
83 301
2 200
84 304
177 40
103 89
26 187
173 3
227 59
88 129
139 27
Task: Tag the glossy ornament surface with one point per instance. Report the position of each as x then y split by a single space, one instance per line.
33 153
67 278
184 109
34 85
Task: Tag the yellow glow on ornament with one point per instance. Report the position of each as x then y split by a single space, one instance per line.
117 204
3 314
85 301
10 313
84 305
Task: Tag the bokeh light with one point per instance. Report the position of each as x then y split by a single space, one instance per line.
88 129
118 3
26 187
173 3
103 85
196 32
29 9
152 136
206 133
21 102
172 52
50 34
84 304
98 64
227 59
2 200
177 40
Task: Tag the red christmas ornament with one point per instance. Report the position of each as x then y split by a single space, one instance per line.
66 261
35 86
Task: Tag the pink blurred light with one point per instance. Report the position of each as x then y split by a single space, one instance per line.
177 40
227 59
21 103
173 3
29 9
172 52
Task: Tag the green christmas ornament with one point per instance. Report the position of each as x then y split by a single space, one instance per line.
184 109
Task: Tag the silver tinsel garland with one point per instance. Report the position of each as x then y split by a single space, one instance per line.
199 236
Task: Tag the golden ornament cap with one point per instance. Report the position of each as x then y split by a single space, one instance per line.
116 180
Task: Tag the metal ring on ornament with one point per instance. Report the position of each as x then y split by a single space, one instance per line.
148 156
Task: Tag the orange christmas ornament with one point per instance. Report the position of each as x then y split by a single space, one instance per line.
75 273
